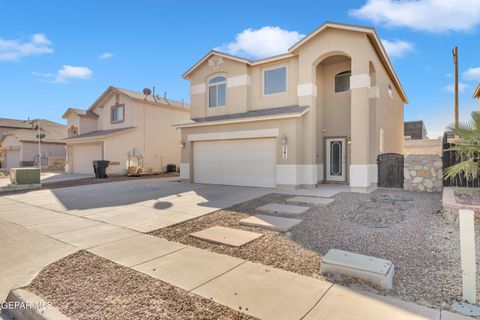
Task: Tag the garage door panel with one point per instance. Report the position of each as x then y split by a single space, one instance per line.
12 159
235 162
83 155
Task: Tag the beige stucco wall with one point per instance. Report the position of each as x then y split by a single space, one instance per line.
30 150
153 135
287 127
356 114
289 98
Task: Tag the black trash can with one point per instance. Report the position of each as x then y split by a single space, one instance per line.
171 168
100 168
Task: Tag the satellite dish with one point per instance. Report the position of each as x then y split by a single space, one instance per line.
41 136
147 91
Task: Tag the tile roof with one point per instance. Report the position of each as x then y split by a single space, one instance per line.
83 112
254 113
157 99
99 133
54 133
14 123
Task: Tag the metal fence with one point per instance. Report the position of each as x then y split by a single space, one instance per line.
450 158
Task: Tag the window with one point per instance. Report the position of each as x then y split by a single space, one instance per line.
390 90
118 113
275 80
342 81
217 92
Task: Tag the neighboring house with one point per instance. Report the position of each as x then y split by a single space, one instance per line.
126 128
320 113
476 95
415 130
20 146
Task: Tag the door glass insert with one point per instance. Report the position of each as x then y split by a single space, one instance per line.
336 158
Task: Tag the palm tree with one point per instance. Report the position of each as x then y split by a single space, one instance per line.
467 148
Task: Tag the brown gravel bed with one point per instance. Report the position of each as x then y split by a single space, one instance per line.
422 245
273 249
85 286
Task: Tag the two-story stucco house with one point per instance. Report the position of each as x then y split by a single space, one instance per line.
320 113
126 128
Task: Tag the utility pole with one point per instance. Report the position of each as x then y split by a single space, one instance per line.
455 63
39 145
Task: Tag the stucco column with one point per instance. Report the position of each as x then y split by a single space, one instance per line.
307 168
361 170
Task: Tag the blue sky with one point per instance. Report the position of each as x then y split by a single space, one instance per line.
51 51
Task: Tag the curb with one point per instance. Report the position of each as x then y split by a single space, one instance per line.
23 304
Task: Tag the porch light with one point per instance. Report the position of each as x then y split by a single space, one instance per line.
284 139
182 144
349 141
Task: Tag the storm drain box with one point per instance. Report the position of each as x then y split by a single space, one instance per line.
25 176
374 270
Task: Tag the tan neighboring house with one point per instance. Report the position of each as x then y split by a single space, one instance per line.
476 95
127 128
321 113
19 147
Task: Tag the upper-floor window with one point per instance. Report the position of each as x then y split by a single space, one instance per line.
275 80
217 92
118 113
342 81
390 90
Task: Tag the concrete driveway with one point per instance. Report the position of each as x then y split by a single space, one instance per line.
40 227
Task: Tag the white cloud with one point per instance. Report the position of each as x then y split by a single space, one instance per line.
472 74
461 87
14 50
397 48
260 43
425 15
106 55
70 72
42 74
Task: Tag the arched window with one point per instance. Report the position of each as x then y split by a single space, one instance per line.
217 92
342 81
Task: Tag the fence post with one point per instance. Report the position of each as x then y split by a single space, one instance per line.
467 251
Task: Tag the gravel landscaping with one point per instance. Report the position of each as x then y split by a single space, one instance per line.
404 227
85 286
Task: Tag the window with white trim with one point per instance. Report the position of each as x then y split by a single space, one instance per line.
342 81
118 113
275 80
217 92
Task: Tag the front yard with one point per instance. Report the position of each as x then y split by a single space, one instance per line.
404 227
407 228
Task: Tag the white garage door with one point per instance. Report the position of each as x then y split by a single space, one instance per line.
12 159
83 155
248 162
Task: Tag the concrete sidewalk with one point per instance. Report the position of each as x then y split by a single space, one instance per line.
41 227
255 289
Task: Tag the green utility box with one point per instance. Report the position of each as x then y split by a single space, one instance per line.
25 175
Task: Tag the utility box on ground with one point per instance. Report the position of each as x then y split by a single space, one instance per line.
25 175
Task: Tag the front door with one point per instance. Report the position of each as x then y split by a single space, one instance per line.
335 159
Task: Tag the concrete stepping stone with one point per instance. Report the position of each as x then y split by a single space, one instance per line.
264 292
282 208
270 222
375 270
228 236
311 200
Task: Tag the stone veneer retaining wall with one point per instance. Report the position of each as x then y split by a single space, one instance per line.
422 147
423 173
